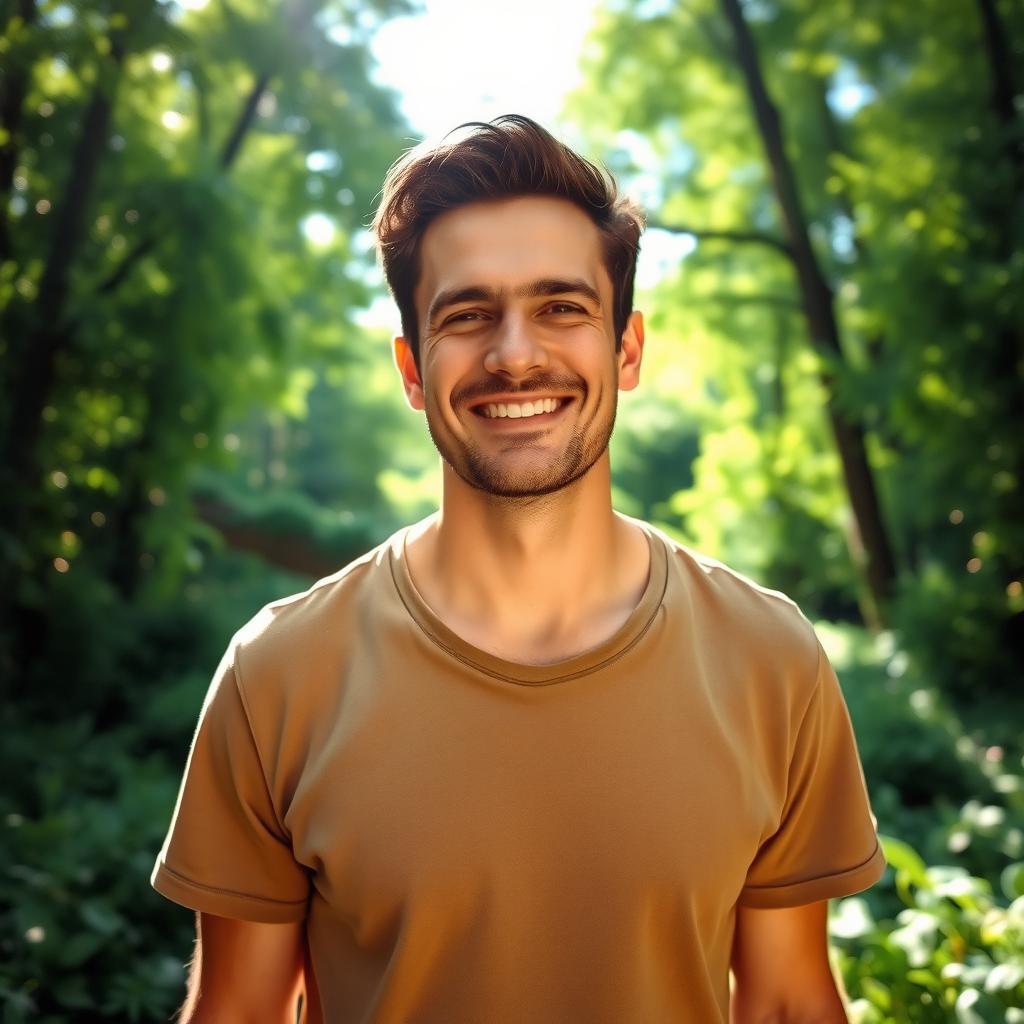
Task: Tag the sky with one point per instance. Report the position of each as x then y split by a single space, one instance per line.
471 60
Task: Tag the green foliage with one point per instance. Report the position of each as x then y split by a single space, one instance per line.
942 936
188 304
931 779
652 453
954 953
77 837
86 803
191 294
909 172
212 390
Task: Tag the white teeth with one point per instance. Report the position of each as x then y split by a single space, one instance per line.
498 410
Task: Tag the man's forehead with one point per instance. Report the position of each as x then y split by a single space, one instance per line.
506 245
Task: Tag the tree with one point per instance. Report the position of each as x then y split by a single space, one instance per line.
162 163
881 164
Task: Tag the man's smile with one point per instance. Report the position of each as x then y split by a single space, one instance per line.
521 408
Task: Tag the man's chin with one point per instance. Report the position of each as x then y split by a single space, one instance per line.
500 483
523 474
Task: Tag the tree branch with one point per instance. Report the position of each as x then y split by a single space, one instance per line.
202 106
230 152
124 268
244 121
716 235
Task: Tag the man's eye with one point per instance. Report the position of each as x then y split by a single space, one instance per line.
564 307
465 315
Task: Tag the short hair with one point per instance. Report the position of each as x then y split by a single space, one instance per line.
508 157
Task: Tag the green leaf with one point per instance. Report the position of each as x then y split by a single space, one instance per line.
1004 977
102 918
877 993
917 936
1011 880
851 919
75 951
905 860
965 1003
926 978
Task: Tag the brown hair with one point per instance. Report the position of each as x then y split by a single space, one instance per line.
510 156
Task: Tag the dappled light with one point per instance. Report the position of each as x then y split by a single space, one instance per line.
201 413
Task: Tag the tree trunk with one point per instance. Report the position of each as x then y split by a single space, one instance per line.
816 297
1001 208
34 371
1000 66
13 87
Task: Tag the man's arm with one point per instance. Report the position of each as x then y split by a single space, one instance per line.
781 967
244 972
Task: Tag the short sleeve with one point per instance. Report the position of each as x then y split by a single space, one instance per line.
226 852
826 844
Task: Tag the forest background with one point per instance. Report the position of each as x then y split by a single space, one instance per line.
198 416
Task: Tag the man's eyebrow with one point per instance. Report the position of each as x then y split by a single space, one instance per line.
471 293
559 286
545 286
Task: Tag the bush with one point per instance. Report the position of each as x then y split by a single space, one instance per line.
82 936
84 808
954 953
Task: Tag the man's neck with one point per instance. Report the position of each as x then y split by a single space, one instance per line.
535 580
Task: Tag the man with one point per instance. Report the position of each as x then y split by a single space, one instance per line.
529 760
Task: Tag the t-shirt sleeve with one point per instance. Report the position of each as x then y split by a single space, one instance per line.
227 852
826 844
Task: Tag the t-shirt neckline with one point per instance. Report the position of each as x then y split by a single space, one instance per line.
609 650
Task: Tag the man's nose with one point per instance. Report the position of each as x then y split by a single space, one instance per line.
514 349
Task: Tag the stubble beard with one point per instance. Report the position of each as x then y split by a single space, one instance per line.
486 473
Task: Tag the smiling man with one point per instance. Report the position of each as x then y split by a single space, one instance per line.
529 760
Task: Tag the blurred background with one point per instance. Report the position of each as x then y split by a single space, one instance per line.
199 412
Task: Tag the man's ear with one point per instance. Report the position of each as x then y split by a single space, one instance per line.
406 364
631 352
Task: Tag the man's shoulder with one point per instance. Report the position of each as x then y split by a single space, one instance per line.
316 624
731 607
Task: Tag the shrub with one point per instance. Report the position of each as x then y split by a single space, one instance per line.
955 952
82 936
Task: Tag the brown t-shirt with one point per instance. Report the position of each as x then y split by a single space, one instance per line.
473 840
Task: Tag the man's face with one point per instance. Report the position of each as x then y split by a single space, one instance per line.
519 373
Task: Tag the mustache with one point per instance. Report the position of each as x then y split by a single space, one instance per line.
542 383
